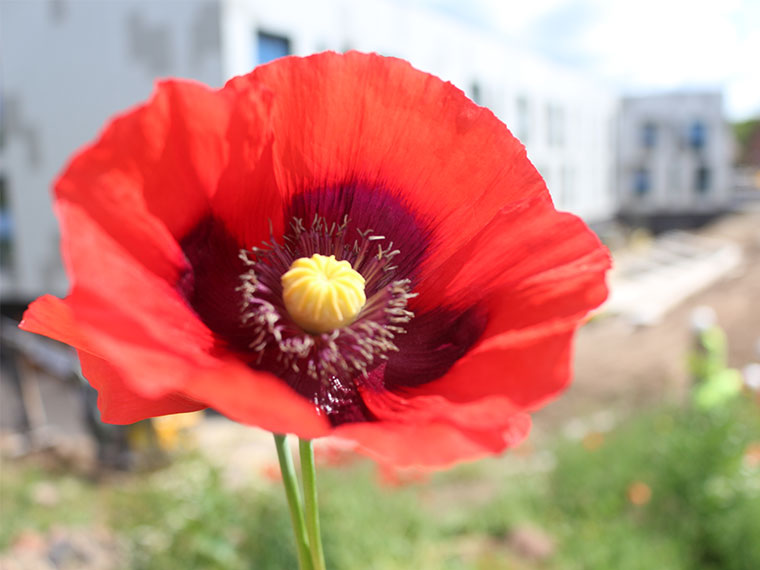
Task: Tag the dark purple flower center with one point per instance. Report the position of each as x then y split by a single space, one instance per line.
326 367
237 292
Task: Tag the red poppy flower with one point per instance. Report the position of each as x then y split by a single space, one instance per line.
179 222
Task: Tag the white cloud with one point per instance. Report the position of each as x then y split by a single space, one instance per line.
640 45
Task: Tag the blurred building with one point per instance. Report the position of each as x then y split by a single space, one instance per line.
66 67
675 158
747 171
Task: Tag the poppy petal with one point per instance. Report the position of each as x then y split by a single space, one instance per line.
380 122
550 277
247 200
154 215
52 317
129 375
523 241
115 293
442 432
119 404
257 398
152 366
149 176
132 318
525 352
530 368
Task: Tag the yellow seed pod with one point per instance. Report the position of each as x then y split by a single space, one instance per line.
322 294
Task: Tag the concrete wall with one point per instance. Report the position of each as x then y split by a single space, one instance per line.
66 67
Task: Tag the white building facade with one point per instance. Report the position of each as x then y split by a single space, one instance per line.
69 65
675 156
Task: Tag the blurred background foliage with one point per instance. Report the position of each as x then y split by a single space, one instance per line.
674 488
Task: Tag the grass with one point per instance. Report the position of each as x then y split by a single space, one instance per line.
670 489
78 502
704 507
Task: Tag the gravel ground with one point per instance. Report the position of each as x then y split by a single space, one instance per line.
64 549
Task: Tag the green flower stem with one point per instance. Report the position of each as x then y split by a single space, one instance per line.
290 482
309 475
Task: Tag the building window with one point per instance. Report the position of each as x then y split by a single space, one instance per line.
6 228
641 182
702 180
648 135
697 134
555 124
523 119
270 47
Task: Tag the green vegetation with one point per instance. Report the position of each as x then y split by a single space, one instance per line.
744 129
704 508
23 505
671 489
743 133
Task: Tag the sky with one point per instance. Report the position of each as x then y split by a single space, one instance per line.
639 46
